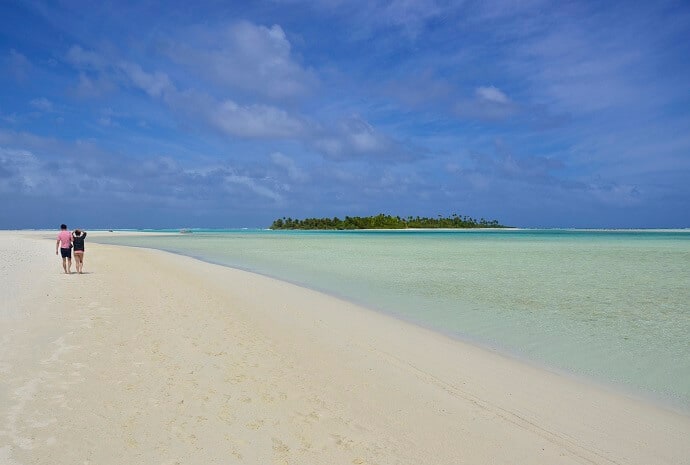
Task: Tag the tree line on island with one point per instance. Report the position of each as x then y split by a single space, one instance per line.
382 221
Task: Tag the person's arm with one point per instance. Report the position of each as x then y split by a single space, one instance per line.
57 246
83 233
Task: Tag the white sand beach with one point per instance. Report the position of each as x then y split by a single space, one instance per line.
154 358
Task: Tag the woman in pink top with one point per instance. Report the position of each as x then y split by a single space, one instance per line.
64 242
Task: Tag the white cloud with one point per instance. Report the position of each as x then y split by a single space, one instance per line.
255 121
411 15
250 121
39 165
155 84
491 94
367 141
489 103
20 170
579 59
42 104
91 64
246 57
355 137
287 163
368 16
89 87
85 59
252 185
256 56
36 166
11 118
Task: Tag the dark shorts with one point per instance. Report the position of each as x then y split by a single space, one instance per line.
66 253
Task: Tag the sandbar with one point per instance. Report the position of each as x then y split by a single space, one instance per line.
156 358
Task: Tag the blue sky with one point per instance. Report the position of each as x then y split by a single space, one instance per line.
231 114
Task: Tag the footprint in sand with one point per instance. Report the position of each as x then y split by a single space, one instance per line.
343 442
280 447
255 425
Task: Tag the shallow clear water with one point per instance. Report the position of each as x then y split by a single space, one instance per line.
610 305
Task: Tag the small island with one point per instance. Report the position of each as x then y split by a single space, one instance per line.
382 221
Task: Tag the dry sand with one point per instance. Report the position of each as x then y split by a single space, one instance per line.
152 358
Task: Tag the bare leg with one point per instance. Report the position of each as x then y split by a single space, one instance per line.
64 264
79 261
69 265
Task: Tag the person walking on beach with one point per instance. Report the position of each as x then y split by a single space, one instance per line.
78 237
64 242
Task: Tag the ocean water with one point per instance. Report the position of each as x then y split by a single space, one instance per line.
612 306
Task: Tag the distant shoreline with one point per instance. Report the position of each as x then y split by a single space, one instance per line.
243 229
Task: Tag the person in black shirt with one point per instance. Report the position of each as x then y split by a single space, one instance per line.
78 237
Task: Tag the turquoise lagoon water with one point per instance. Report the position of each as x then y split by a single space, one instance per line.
613 306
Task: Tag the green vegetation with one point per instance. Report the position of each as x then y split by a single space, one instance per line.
382 221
